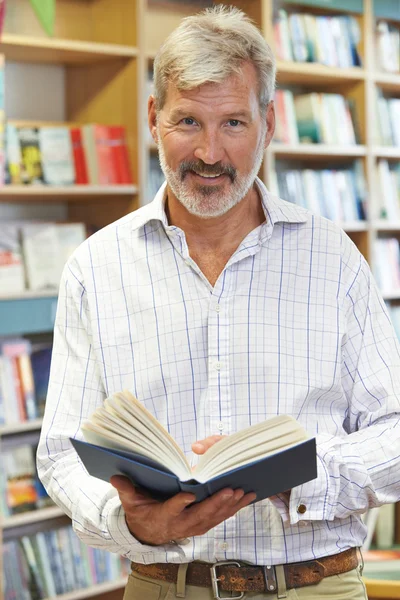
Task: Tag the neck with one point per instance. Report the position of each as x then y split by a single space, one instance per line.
224 232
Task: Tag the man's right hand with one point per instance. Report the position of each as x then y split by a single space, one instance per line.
157 523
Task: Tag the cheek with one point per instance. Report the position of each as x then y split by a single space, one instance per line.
176 150
243 154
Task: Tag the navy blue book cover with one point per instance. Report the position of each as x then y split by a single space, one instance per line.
266 477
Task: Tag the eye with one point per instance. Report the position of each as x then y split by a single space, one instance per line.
234 122
188 121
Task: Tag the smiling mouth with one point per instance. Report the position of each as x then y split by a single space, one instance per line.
209 178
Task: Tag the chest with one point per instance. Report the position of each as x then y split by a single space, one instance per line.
211 264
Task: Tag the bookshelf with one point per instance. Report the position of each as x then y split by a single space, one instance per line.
106 48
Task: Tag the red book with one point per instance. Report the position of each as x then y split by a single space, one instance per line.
120 156
104 155
81 173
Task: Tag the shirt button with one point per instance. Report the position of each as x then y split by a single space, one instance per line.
217 308
224 546
220 426
302 523
301 509
217 366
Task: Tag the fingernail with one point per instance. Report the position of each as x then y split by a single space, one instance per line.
227 495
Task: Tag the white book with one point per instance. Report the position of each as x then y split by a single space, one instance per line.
394 111
311 190
70 236
288 101
57 156
389 197
41 253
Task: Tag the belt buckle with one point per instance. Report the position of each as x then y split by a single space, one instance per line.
215 579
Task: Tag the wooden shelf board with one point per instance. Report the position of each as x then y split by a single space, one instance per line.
387 81
386 152
382 225
20 427
316 150
29 294
49 50
94 590
72 192
298 72
354 226
34 516
379 588
393 295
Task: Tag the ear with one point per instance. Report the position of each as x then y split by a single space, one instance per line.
270 122
152 118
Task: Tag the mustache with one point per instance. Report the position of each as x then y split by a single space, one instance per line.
201 167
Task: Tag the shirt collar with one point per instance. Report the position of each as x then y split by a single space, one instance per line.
275 209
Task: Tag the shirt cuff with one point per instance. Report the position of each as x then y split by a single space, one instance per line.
316 499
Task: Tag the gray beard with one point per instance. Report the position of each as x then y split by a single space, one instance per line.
209 201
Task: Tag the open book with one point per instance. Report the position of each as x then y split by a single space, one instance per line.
123 437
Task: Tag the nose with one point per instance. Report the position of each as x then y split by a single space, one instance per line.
209 147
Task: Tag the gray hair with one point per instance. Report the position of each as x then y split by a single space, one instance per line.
210 47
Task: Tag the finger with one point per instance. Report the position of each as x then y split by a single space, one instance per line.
208 508
202 446
177 504
121 483
129 494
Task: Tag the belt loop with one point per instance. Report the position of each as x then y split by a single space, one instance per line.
281 581
360 561
181 581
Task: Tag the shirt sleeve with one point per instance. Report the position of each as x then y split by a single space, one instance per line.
75 390
361 467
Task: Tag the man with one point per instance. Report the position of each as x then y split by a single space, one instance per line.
219 305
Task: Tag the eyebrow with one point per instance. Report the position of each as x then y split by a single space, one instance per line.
179 113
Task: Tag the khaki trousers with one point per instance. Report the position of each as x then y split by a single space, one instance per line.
347 586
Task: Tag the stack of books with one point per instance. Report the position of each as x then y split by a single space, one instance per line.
331 41
92 154
56 562
24 375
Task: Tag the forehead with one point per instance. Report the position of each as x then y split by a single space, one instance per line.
238 91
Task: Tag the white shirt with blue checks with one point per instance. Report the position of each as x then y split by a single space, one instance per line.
294 324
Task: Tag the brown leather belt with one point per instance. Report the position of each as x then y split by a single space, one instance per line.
252 578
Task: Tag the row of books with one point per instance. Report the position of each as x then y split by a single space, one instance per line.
338 195
315 118
329 40
388 47
55 562
91 154
387 263
388 121
389 184
20 487
33 254
24 375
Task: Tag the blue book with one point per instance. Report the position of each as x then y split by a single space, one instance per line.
124 438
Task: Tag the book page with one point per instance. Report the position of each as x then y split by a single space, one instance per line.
124 423
248 445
